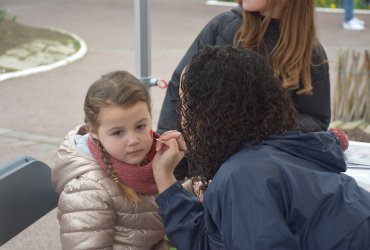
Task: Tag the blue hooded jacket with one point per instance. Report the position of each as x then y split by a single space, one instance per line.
288 193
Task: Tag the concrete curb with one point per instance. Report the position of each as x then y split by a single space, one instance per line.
78 55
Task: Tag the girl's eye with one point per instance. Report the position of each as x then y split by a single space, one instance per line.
118 132
141 127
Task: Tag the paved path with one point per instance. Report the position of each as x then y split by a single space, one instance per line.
36 111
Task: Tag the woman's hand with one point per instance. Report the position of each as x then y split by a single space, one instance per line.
169 153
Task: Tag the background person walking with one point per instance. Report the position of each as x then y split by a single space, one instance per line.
350 21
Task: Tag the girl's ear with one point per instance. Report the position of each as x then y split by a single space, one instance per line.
93 131
94 135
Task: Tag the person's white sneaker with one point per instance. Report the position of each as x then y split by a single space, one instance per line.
353 25
358 20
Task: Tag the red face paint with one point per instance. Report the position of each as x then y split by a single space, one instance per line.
151 133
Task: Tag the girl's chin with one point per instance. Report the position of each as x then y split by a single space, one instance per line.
134 160
131 162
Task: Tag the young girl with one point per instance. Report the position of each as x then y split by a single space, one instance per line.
103 171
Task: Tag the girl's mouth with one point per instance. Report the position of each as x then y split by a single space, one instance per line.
135 152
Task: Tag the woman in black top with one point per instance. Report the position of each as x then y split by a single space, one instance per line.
284 32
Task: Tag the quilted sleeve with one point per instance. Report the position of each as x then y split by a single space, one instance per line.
86 216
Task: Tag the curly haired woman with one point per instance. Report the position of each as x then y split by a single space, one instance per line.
273 187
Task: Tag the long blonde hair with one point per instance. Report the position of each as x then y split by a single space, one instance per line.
291 58
118 88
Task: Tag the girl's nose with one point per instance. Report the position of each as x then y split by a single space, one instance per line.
133 139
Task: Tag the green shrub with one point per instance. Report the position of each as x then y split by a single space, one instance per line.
2 14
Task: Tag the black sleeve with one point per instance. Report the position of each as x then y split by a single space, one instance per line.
314 111
219 31
168 115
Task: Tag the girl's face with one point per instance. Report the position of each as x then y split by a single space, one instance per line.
261 7
124 132
254 5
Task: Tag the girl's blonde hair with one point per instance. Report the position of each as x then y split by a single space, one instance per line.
117 88
291 58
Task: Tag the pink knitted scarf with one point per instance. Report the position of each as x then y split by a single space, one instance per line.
140 178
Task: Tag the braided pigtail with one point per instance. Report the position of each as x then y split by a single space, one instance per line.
129 192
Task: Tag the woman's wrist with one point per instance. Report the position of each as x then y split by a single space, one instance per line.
164 182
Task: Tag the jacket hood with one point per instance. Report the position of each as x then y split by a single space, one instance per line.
70 162
322 148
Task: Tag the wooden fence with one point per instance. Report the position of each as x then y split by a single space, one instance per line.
351 92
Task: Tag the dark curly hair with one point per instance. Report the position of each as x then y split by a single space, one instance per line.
229 96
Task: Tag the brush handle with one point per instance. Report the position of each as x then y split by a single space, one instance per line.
158 140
